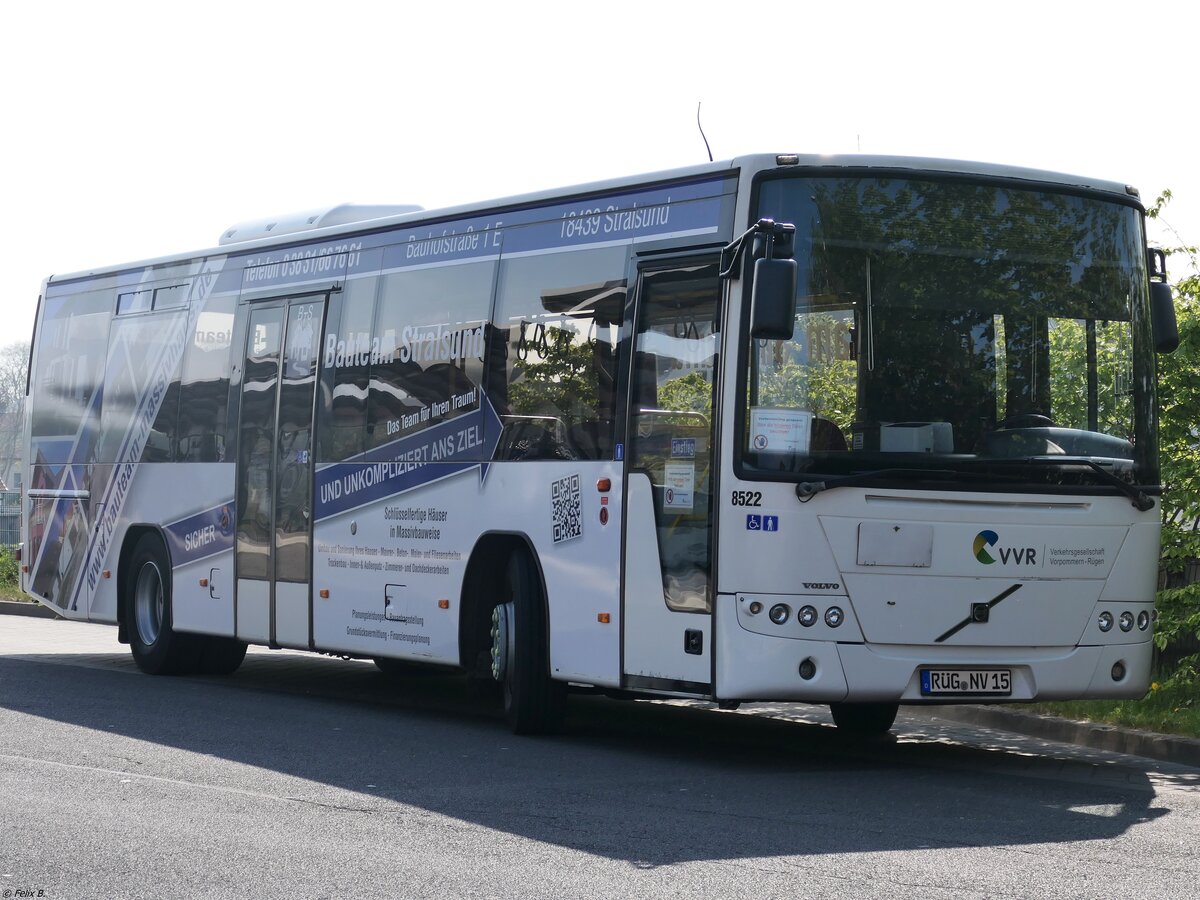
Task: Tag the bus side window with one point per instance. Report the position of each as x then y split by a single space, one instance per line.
430 326
204 384
342 403
556 324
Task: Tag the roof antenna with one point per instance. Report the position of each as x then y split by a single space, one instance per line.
701 127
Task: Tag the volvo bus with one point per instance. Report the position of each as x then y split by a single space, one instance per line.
858 431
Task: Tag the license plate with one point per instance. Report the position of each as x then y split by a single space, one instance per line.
936 682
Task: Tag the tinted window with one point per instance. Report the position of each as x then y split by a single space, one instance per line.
428 368
71 348
204 385
556 321
140 350
346 368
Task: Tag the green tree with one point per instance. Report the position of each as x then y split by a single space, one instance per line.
1179 457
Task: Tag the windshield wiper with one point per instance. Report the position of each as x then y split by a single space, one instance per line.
1136 494
806 489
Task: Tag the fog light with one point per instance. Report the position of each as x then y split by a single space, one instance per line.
808 669
755 608
1126 621
1105 621
1118 670
779 613
1143 620
807 616
834 617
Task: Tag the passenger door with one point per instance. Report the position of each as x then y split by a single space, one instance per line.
275 472
670 441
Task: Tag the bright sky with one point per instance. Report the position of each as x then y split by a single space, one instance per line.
136 130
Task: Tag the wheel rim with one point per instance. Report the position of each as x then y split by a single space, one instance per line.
148 603
501 640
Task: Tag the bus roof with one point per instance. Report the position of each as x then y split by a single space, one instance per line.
299 228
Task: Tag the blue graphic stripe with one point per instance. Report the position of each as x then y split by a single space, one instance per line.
444 449
203 534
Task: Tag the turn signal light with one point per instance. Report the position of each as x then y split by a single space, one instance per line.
604 485
603 618
324 593
443 603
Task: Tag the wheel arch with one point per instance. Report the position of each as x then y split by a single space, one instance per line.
133 535
489 554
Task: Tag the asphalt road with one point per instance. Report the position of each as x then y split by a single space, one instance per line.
305 776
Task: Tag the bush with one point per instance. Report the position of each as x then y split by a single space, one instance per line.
9 579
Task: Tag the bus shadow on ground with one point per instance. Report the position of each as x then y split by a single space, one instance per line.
651 784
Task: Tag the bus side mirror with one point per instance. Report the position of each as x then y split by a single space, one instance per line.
773 299
1162 318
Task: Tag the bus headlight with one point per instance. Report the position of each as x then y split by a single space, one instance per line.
807 616
779 613
1105 621
1126 621
834 617
1143 620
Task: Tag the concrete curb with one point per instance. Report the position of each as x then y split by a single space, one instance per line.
18 608
1098 736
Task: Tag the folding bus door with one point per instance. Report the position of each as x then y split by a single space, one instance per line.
670 463
275 472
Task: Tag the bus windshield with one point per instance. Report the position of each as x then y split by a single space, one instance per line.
957 325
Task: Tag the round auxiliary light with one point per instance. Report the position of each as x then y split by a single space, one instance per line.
1105 621
807 616
808 669
1143 620
779 613
755 607
834 616
1126 621
1118 670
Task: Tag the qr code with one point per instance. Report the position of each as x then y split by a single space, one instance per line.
566 508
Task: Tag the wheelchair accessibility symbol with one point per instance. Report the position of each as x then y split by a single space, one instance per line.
762 523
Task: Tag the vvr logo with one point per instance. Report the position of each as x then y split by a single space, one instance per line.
1020 556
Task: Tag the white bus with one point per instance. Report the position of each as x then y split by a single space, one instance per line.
858 431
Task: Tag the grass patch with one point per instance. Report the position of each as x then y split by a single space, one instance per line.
10 584
1169 708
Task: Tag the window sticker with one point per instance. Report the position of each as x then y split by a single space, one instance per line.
780 430
679 483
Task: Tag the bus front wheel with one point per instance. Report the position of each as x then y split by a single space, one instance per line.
864 719
533 702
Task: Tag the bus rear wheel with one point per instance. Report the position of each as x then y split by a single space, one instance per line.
864 719
157 648
219 655
533 702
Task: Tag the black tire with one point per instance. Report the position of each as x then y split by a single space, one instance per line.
864 719
157 648
220 655
533 702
